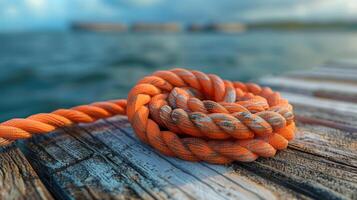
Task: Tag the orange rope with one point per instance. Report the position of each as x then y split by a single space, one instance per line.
186 114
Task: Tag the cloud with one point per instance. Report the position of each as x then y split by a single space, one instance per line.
36 4
91 9
10 11
31 14
143 2
24 14
306 10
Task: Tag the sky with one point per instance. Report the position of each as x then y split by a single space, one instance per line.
58 14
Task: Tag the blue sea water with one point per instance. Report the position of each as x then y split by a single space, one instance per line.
40 72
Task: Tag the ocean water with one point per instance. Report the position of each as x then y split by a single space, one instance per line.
40 72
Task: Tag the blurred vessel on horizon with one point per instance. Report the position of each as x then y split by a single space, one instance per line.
154 27
91 26
227 27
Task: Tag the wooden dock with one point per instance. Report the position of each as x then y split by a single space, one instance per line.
104 160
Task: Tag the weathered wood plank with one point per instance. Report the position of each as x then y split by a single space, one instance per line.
106 160
337 91
343 114
333 122
342 76
17 178
336 71
321 161
335 74
343 64
72 169
227 172
307 168
321 103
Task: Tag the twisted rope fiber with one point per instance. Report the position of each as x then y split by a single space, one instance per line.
186 114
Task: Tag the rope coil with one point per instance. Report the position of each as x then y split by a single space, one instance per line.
186 114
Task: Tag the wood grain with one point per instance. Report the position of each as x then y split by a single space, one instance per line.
328 74
17 178
325 89
106 160
341 63
336 72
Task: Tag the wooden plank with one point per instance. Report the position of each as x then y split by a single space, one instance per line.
321 161
326 104
329 113
17 178
342 64
339 75
338 70
333 74
227 173
319 116
342 76
105 160
343 72
330 90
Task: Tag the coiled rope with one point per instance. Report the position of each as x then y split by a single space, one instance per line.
186 114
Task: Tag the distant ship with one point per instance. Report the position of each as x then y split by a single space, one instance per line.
110 27
156 27
117 27
227 27
217 27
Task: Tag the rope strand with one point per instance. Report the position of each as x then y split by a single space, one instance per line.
186 114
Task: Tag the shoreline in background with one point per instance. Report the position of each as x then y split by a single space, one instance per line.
226 27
